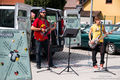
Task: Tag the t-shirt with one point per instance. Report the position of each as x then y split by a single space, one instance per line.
96 30
38 23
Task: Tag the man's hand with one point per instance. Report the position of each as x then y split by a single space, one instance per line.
110 32
91 42
42 29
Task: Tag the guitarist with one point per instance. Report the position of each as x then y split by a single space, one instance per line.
39 26
96 30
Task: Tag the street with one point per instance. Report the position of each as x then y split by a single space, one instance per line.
80 61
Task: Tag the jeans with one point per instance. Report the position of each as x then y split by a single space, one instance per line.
43 45
102 53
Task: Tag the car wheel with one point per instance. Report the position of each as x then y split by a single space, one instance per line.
110 48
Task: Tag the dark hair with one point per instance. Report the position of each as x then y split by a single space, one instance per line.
96 18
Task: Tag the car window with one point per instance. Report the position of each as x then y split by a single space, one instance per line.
86 29
7 18
108 28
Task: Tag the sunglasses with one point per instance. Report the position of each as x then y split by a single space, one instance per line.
44 12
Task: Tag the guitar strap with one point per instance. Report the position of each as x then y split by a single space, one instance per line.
46 24
101 29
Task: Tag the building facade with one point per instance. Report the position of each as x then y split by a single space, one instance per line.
110 9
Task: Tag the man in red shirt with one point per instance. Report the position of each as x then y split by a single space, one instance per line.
39 26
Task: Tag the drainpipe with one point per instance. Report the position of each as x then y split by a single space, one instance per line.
114 19
91 20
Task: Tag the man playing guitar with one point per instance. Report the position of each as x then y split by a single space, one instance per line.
39 26
97 30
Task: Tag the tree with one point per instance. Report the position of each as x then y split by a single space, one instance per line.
58 4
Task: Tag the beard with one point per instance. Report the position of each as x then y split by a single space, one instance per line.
42 16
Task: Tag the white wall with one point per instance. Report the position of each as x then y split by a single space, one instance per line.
85 20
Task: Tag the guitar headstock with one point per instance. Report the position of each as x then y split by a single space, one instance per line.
115 29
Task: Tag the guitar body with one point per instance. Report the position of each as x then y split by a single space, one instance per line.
93 45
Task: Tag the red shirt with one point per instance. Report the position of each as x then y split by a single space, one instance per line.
38 23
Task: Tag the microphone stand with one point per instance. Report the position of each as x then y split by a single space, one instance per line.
49 48
106 69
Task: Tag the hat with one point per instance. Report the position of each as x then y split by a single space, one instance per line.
41 10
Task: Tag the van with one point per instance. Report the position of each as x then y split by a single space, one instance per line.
18 17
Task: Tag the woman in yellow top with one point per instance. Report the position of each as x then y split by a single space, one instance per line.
96 31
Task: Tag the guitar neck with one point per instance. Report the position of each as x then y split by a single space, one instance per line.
107 34
102 37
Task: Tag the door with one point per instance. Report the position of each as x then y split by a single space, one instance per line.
23 23
22 19
72 20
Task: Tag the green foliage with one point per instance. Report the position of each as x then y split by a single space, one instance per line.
58 4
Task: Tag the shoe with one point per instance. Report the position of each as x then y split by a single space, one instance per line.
95 68
53 66
101 66
38 67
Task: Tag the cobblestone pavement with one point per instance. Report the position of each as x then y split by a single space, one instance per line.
81 63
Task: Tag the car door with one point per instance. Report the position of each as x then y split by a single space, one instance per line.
22 19
72 20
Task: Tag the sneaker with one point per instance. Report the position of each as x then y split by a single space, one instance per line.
53 66
95 68
38 67
101 66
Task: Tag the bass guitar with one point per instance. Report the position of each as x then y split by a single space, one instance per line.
97 39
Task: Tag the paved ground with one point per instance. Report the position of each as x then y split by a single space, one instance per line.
81 63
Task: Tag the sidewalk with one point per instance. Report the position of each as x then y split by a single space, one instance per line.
81 63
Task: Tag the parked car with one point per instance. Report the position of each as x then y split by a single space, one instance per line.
112 41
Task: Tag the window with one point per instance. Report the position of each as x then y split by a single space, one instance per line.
7 18
22 13
108 1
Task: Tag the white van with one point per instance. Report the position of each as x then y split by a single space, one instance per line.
18 17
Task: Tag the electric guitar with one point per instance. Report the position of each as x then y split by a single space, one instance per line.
46 31
97 39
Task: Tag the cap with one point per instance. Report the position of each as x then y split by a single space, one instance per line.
41 10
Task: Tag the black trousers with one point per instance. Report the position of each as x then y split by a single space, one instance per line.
99 47
43 45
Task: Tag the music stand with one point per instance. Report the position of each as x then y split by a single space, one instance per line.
69 33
